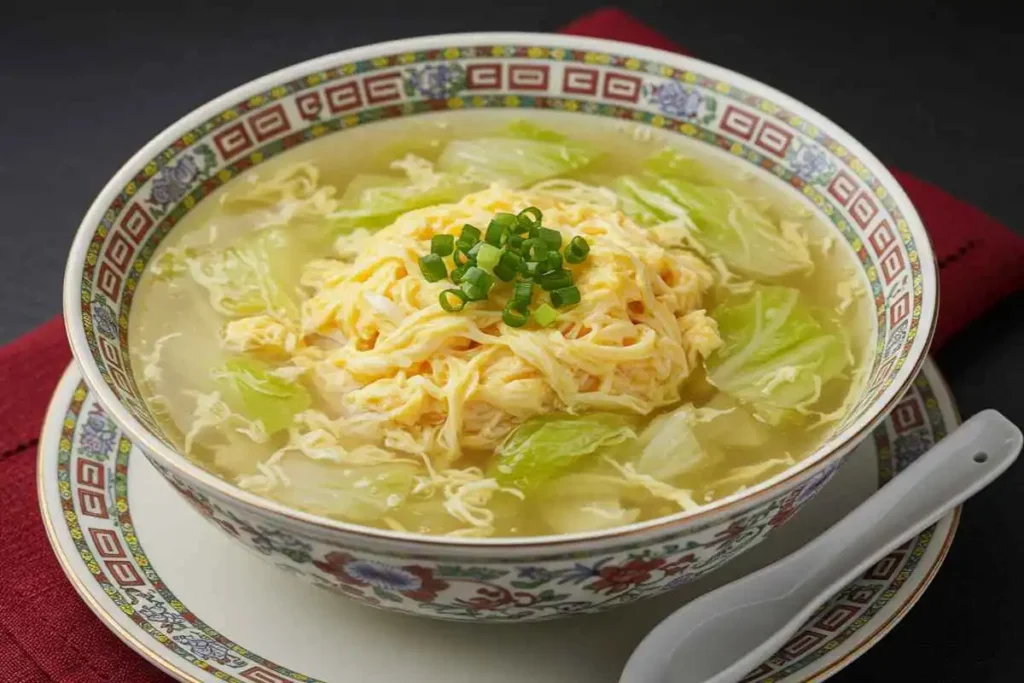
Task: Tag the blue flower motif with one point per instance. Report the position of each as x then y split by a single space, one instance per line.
206 648
435 81
159 614
103 318
675 99
171 184
810 162
98 434
383 576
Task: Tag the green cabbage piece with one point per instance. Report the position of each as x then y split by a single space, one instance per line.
731 425
374 201
259 273
669 163
776 355
670 446
523 156
251 391
544 447
723 222
526 130
353 493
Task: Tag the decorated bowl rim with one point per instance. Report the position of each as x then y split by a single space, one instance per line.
837 446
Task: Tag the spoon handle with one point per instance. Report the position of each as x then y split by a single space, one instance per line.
775 601
955 469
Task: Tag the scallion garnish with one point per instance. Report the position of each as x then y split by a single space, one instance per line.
567 296
529 217
553 261
470 235
488 255
534 249
522 292
550 237
555 279
453 300
508 266
459 272
499 228
545 315
442 245
496 234
577 250
514 246
515 315
477 283
433 268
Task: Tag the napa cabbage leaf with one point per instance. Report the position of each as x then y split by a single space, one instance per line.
776 355
250 389
544 447
363 493
522 155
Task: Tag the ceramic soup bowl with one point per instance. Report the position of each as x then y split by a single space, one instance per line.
522 578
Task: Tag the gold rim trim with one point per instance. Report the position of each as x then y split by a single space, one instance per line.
169 668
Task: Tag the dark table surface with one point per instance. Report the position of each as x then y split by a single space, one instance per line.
932 90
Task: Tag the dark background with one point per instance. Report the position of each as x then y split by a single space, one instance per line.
934 89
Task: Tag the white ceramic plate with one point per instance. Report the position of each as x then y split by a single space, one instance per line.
198 606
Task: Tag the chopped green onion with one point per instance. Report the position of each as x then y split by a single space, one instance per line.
530 269
514 243
515 315
442 245
556 279
473 292
508 266
474 251
496 234
545 316
477 283
470 234
529 217
488 256
535 250
567 296
577 250
553 262
433 268
522 292
453 300
550 237
500 226
459 272
459 257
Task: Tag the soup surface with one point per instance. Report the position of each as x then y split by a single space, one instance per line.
478 325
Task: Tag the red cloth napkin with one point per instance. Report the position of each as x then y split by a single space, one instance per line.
48 634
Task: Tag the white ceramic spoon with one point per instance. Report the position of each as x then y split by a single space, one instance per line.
725 634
